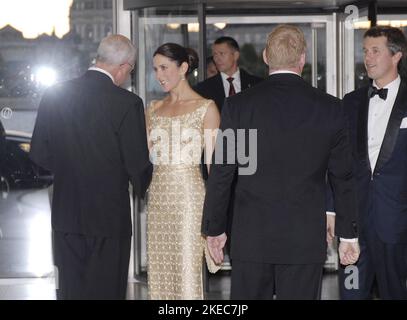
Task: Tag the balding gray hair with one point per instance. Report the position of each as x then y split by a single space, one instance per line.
115 50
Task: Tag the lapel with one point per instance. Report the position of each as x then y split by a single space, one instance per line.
243 80
393 127
363 114
218 87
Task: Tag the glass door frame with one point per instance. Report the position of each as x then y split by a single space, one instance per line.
131 24
328 20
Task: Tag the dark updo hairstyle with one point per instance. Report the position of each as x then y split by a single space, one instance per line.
179 54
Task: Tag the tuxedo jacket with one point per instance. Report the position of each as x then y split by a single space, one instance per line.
381 191
91 135
212 88
279 211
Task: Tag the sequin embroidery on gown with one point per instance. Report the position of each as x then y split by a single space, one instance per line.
175 246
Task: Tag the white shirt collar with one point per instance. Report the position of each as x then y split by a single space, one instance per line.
284 71
237 84
378 119
394 85
235 76
103 71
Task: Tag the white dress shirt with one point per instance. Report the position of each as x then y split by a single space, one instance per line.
237 84
378 118
103 71
379 115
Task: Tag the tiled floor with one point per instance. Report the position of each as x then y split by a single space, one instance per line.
25 235
43 289
26 262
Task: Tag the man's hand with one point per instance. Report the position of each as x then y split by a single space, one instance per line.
215 246
348 252
330 228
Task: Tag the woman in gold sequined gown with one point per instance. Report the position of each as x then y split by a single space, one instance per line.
175 247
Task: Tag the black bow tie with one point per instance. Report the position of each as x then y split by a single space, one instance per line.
381 92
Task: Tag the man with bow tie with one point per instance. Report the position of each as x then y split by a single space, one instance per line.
378 130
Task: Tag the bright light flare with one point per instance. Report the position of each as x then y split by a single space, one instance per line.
46 76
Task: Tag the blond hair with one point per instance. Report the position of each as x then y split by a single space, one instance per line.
285 45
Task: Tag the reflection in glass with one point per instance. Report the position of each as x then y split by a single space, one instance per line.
27 68
39 258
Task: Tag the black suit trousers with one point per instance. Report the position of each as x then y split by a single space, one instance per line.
378 261
90 268
261 281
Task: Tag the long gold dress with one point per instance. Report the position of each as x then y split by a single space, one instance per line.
175 246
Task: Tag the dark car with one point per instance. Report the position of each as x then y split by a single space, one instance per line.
17 169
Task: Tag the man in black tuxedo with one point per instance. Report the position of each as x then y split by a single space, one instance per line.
378 127
231 79
91 135
279 223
